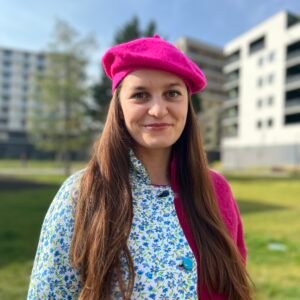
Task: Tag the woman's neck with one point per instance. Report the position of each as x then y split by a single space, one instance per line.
156 162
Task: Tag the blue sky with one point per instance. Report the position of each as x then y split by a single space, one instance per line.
28 24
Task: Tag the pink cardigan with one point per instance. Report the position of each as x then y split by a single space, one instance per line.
231 216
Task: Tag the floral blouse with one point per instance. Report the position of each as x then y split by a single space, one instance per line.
165 267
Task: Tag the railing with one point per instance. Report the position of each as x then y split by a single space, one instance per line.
293 54
233 133
231 60
292 103
292 78
230 114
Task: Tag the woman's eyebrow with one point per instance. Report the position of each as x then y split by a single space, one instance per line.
138 88
168 85
173 84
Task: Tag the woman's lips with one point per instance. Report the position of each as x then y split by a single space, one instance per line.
157 126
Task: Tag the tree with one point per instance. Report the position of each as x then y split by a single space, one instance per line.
102 91
58 119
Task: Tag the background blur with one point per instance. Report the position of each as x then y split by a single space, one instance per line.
54 98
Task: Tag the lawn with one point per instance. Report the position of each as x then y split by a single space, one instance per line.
270 210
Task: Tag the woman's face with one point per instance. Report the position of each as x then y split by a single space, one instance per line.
154 105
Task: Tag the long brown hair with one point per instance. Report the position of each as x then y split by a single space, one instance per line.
104 215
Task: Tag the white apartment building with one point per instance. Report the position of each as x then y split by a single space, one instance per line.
17 72
261 119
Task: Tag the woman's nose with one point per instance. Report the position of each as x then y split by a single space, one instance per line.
158 107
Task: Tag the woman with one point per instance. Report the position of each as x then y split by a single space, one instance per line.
146 219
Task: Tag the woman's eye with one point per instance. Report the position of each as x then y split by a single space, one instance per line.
173 94
140 95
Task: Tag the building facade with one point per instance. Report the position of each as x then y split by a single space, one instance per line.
211 60
261 119
17 72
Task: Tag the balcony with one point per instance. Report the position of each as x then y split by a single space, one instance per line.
291 119
292 20
229 102
232 99
232 80
293 53
230 115
230 131
292 82
292 106
198 58
232 61
229 121
257 45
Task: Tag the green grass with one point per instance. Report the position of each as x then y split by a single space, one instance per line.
15 163
21 216
270 210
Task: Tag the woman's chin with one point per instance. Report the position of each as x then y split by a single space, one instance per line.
156 145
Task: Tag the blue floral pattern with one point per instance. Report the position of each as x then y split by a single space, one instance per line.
156 242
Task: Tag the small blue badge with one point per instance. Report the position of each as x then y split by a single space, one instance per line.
187 263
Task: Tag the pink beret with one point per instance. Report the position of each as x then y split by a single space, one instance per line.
154 53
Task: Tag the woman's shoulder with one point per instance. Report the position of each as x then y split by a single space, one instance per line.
72 182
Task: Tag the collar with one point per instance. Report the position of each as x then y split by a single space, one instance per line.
137 169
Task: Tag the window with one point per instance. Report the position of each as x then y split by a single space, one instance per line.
6 75
260 61
257 45
270 100
6 86
26 56
260 82
26 66
271 56
259 124
41 58
270 122
6 97
293 118
259 103
40 68
6 63
271 78
3 120
5 109
7 53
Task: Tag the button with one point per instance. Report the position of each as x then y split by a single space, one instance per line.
163 194
187 263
